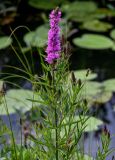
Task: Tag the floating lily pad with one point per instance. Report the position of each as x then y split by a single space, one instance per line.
81 74
37 38
5 42
96 25
78 7
91 89
105 12
93 41
94 92
45 4
16 100
109 85
112 34
91 124
84 17
78 11
102 97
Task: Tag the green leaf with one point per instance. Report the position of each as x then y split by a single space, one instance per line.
82 157
3 128
37 38
96 25
102 97
78 11
17 100
109 85
45 4
94 92
105 12
83 17
81 74
93 41
5 42
90 88
78 7
112 34
90 124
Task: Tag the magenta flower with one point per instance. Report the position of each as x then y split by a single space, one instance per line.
54 47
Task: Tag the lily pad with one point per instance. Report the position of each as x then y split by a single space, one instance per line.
109 85
81 74
93 41
78 7
112 34
94 92
103 97
91 89
91 124
105 12
16 100
84 17
96 25
45 4
37 38
78 11
5 42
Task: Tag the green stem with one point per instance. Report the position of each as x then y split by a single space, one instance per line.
56 132
56 116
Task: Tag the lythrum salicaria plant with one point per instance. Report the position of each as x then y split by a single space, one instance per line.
62 127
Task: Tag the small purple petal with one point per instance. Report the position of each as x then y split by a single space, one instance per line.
54 47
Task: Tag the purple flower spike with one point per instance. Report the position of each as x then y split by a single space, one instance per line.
54 47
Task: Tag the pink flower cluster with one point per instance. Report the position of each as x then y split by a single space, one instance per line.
54 47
